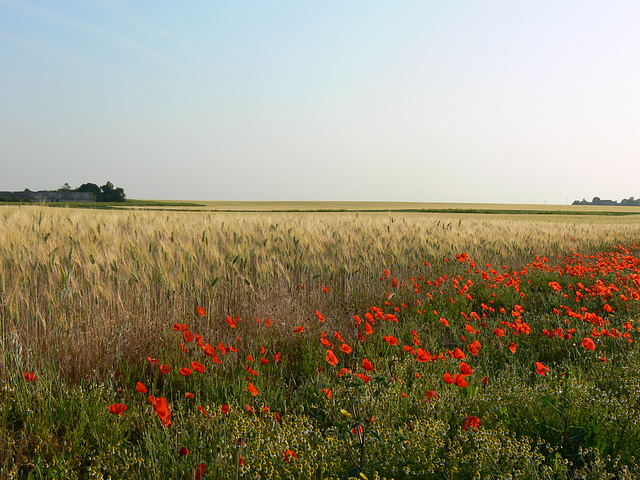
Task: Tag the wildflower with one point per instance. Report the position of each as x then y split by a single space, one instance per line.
448 378
199 470
444 321
183 451
298 329
512 347
346 348
319 316
177 327
252 389
225 408
289 456
430 395
198 367
474 347
29 376
161 406
185 371
153 360
164 368
189 395
141 388
366 364
331 358
460 381
588 343
117 409
459 354
465 370
471 422
541 369
485 381
230 322
264 361
188 336
328 393
201 311
276 357
367 328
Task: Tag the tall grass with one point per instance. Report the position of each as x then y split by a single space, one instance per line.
86 290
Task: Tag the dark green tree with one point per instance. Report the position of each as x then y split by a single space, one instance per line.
93 189
112 194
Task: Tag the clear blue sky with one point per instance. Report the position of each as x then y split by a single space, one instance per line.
449 101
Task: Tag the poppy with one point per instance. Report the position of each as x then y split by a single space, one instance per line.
319 316
474 347
298 329
153 360
164 368
391 340
460 381
289 456
184 371
448 378
363 377
541 369
485 381
183 451
201 311
225 408
189 395
198 367
368 329
252 389
188 336
499 332
346 348
264 361
512 347
459 354
276 357
117 409
331 358
29 376
141 388
588 343
328 393
366 364
430 395
202 411
471 422
249 408
465 370
325 289
161 406
230 321
177 327
199 470
444 321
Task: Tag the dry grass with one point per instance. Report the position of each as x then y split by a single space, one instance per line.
87 290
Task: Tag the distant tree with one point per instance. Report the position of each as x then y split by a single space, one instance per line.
65 188
596 201
112 194
93 189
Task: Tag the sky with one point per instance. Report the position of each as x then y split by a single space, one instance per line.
429 101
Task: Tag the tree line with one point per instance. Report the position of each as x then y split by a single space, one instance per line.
106 193
631 201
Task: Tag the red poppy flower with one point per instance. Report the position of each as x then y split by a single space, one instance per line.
513 347
485 381
189 395
298 329
541 369
430 395
366 364
161 406
328 393
252 389
177 327
448 378
199 470
325 289
346 348
276 357
153 360
444 321
460 381
117 408
390 339
29 376
289 456
465 370
471 422
183 451
225 408
459 354
319 316
185 371
588 343
164 368
367 328
331 358
264 361
201 311
230 321
141 388
474 347
198 367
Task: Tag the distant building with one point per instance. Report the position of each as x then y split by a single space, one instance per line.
46 196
